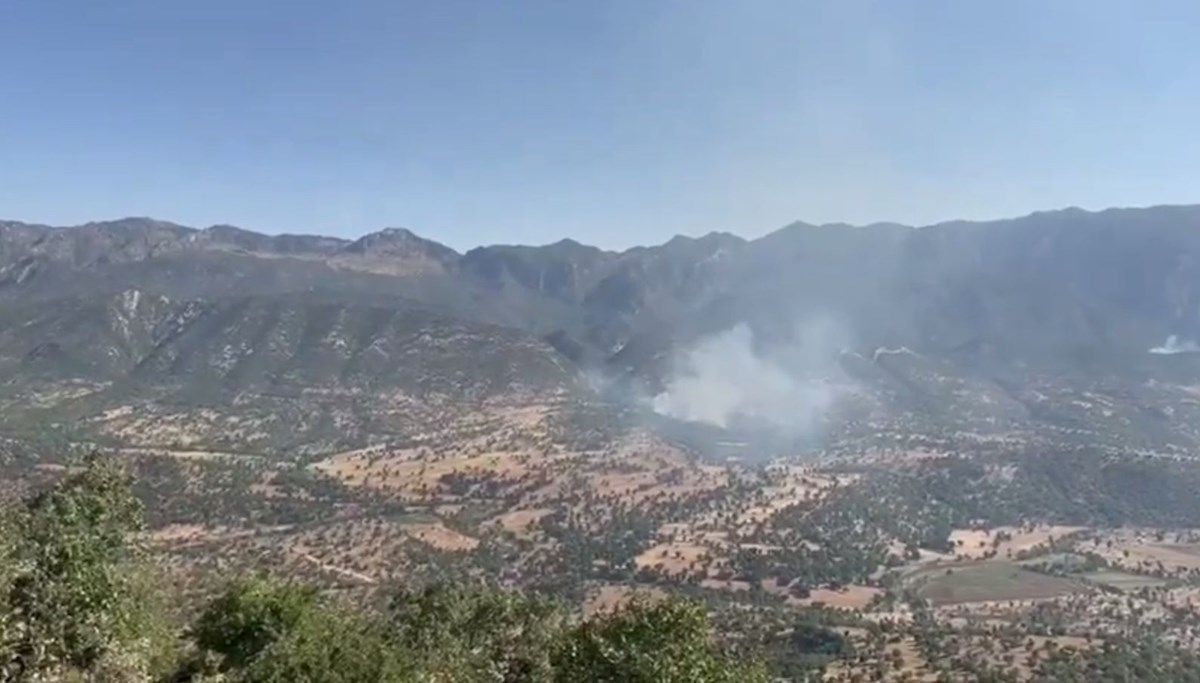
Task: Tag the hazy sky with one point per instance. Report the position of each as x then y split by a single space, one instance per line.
613 122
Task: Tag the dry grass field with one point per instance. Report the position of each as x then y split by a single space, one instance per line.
1148 550
1006 542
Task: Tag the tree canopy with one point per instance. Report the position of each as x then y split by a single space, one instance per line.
75 607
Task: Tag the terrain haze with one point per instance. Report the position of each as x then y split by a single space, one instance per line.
808 331
680 341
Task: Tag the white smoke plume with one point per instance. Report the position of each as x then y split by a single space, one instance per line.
724 378
1175 345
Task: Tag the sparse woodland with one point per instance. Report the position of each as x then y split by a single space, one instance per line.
382 460
80 603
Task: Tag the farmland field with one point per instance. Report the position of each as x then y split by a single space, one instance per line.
988 582
1122 580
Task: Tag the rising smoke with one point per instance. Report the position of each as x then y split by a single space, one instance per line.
1175 345
726 379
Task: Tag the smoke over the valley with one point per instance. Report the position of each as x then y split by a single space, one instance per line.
731 379
1175 345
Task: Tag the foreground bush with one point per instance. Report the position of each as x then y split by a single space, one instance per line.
76 605
667 642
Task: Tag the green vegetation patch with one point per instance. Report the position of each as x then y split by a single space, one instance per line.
1123 581
989 581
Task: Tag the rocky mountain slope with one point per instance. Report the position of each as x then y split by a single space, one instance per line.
974 326
1123 278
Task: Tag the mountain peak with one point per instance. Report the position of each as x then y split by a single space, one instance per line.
399 251
135 223
397 240
226 229
715 237
398 234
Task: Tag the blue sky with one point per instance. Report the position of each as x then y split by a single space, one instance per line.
613 122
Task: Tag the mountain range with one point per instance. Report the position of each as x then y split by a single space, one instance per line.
950 320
